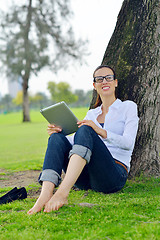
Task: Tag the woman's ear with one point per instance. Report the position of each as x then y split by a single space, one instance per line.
94 85
116 85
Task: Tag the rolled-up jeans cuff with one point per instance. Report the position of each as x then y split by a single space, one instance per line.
51 176
82 151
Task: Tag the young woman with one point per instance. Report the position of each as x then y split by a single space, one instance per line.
98 155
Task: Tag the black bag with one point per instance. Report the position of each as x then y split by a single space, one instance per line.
13 195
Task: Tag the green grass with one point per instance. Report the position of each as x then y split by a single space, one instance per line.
22 145
132 213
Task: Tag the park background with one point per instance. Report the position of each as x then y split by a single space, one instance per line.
87 23
132 213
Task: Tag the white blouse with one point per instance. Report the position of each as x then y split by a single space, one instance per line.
121 124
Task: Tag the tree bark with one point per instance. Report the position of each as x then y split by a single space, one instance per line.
133 51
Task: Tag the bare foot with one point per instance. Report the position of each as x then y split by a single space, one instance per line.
40 203
56 202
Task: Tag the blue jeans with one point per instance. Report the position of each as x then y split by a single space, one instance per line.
101 173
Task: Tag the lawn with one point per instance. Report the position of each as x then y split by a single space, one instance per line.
22 145
132 213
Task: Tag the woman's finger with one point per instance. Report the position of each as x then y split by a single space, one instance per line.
53 130
51 125
83 123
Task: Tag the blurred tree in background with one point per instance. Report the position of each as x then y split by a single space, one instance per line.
84 98
39 100
61 92
18 100
35 34
6 103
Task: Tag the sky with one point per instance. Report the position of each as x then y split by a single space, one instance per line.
94 20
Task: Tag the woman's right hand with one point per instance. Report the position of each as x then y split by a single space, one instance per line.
53 129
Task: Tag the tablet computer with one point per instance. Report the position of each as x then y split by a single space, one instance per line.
61 115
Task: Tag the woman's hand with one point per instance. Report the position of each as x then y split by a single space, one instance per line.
53 129
90 123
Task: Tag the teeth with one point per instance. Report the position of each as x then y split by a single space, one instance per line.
105 87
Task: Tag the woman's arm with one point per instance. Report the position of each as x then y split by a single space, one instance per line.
127 139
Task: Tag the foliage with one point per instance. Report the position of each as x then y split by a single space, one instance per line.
18 99
61 92
84 98
39 100
48 22
37 97
34 35
6 103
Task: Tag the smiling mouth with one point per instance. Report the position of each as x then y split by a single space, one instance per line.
105 88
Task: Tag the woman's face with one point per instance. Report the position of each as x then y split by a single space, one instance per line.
105 88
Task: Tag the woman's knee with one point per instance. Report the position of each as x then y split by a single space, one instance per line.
57 137
84 130
84 136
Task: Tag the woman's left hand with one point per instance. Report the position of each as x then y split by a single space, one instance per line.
91 124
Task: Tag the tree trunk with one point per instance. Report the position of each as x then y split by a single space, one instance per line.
26 116
133 51
27 70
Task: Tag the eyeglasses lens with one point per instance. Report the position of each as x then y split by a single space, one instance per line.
100 79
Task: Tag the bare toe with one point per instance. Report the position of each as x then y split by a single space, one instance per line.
56 202
34 210
40 203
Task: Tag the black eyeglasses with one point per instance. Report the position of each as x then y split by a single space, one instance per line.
99 79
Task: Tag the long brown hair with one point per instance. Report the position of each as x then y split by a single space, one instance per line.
98 101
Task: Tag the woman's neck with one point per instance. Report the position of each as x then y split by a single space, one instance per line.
107 102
